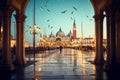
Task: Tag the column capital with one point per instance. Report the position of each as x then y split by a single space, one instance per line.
98 17
20 17
23 17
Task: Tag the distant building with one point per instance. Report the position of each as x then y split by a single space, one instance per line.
74 30
59 38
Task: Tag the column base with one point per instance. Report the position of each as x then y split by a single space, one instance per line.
99 62
20 63
112 68
113 71
7 67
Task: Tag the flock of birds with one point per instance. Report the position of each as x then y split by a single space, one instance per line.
74 9
62 12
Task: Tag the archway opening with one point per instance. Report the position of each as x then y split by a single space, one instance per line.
104 37
13 36
61 14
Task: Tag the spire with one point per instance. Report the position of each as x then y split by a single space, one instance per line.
70 32
51 32
74 25
74 30
60 29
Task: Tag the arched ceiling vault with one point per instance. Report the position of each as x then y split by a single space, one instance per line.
99 5
19 5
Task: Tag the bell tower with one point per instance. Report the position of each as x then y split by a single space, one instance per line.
74 30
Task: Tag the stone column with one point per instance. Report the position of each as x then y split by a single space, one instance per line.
99 58
111 40
0 31
23 39
118 38
20 50
6 58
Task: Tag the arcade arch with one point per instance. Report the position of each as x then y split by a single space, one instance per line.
111 7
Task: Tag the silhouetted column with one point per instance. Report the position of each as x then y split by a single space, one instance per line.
108 20
0 29
99 59
118 37
20 49
6 58
23 39
111 40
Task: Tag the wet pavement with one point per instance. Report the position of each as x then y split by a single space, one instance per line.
70 64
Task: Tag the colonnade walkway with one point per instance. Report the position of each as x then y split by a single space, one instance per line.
70 64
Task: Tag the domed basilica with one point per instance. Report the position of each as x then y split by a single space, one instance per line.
60 39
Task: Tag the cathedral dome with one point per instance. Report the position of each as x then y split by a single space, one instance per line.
60 33
69 34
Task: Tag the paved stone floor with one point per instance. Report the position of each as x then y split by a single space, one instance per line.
70 64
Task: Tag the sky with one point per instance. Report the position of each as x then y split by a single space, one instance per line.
50 15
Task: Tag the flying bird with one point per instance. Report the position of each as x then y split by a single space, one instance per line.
87 16
64 11
48 26
48 10
45 5
41 7
90 19
72 12
48 20
46 1
51 27
74 8
71 18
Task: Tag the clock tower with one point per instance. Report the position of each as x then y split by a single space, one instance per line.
74 30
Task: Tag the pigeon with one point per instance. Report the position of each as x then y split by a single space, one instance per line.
90 19
75 8
51 27
45 5
41 7
48 10
64 11
71 18
72 12
48 26
46 1
87 16
48 20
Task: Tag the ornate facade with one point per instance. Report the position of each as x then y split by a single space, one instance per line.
60 39
55 41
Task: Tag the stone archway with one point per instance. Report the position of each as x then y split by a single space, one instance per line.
112 9
58 39
6 9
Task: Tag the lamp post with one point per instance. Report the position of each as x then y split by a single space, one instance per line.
35 30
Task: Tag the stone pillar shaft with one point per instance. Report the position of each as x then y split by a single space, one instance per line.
99 59
23 40
6 57
0 31
20 50
111 38
118 37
